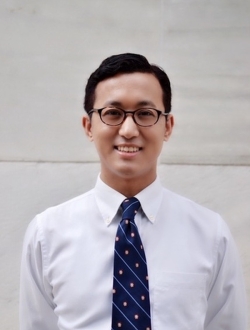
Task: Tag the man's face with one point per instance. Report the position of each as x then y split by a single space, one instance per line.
128 151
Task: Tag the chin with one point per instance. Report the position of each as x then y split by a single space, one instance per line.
128 172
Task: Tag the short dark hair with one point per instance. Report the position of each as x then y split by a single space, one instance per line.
126 63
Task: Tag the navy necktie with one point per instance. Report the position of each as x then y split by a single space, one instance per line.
131 304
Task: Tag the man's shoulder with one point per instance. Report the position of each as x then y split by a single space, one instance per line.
64 211
58 222
188 206
80 200
194 217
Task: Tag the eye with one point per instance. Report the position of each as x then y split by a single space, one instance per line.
112 112
146 113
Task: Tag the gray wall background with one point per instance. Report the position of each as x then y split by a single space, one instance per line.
48 49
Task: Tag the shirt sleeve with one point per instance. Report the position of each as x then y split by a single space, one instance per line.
36 300
227 308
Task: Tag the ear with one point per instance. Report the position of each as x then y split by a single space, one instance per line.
169 127
86 123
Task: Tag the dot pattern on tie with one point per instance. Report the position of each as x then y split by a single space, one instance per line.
131 304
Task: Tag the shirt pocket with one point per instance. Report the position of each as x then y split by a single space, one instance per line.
179 301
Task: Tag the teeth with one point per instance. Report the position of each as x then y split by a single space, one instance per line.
128 149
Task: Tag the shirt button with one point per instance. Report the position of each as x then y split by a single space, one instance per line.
108 220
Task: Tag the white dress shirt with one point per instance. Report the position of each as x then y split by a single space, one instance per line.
195 277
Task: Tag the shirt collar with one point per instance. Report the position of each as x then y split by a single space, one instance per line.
150 199
109 200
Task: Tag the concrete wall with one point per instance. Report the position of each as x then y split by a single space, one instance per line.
47 50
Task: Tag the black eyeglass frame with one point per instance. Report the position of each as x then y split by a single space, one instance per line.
159 113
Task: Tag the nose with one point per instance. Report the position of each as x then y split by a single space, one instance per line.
128 128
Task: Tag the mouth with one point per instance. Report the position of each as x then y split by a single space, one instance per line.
128 149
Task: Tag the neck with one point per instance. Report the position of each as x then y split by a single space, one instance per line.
128 187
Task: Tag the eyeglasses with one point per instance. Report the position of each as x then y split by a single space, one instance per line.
144 117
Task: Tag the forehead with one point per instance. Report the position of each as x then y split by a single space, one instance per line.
129 89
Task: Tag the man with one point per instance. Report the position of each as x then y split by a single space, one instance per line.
189 271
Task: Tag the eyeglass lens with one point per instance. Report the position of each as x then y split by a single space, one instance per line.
142 117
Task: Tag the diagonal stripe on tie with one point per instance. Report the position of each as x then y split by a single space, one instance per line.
125 316
142 282
136 249
132 297
131 301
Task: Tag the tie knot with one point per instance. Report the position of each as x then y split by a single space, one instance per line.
130 207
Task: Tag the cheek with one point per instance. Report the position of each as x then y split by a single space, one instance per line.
157 142
158 136
103 138
100 131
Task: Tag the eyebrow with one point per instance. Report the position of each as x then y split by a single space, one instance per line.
139 104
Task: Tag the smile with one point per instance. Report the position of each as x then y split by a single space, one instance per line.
128 149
